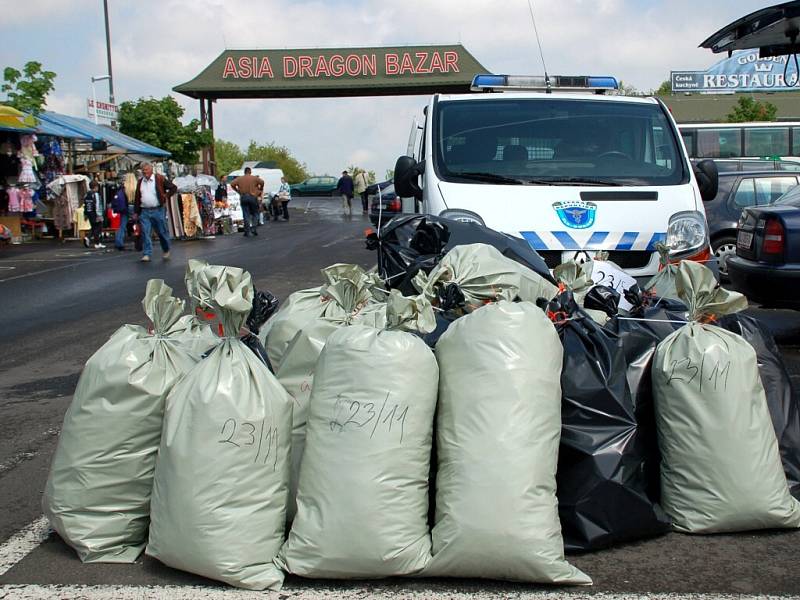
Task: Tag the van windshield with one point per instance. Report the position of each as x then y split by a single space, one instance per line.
556 142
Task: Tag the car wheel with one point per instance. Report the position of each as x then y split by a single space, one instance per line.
723 248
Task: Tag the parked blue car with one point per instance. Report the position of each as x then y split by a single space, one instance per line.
766 267
738 190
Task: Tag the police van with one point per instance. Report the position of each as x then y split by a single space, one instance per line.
559 162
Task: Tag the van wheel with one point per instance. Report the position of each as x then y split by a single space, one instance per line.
723 248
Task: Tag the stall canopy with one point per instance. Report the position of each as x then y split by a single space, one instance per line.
330 72
117 143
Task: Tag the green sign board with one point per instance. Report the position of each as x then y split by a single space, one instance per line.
335 72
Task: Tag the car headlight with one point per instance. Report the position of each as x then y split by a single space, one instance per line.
465 216
687 233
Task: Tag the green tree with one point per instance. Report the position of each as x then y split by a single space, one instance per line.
626 90
228 155
293 169
28 90
389 174
158 122
665 89
749 109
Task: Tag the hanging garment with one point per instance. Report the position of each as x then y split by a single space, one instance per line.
25 200
13 200
188 207
26 174
80 220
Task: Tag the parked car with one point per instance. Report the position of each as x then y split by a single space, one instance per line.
386 206
324 185
726 165
766 267
738 190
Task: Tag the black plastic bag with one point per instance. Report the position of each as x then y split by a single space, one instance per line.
602 298
264 306
603 457
782 402
413 243
648 323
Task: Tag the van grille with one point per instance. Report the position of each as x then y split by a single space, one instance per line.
625 259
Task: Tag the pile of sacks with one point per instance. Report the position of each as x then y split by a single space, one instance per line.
477 426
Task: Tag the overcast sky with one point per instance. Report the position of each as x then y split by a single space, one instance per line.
157 44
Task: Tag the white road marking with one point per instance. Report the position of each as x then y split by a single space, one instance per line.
338 241
23 543
322 592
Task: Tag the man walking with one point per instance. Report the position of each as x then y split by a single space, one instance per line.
345 188
361 184
152 194
250 188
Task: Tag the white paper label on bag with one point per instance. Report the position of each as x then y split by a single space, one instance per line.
610 275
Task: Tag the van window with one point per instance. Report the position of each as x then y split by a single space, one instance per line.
766 142
559 140
719 143
689 136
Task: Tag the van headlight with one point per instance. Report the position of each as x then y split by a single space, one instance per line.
687 233
465 216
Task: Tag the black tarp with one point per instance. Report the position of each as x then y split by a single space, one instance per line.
605 466
410 243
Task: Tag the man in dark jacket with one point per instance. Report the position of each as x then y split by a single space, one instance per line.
345 188
149 207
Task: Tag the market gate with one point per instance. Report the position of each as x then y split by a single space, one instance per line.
328 72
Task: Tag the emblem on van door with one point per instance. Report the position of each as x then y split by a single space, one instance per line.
576 214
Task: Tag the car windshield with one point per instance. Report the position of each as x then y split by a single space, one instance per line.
790 198
556 142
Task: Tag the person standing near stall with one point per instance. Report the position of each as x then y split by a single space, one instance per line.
250 188
91 210
152 193
361 184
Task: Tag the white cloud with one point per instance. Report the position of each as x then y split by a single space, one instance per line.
33 11
68 104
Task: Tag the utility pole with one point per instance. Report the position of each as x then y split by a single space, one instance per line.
108 55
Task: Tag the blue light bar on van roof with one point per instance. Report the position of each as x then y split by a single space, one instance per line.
576 83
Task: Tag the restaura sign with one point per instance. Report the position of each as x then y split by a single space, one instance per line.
744 71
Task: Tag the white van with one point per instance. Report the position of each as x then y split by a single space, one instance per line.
567 168
271 177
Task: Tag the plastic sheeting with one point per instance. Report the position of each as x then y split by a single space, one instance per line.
782 401
604 457
221 480
412 243
662 284
264 306
498 426
97 495
362 504
721 468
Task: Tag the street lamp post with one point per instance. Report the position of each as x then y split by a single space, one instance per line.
96 78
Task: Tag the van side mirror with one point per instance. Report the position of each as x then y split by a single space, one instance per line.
707 179
406 177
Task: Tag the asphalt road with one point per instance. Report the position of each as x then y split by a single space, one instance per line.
60 303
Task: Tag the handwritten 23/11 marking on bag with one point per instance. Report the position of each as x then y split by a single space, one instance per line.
683 370
244 435
359 415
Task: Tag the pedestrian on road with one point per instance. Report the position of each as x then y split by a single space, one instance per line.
345 187
152 193
250 188
361 184
91 210
282 198
122 205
